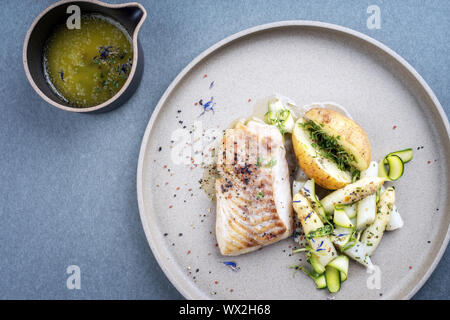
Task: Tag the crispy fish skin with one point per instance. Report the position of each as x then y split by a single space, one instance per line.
253 192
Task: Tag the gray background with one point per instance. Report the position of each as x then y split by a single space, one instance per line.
68 181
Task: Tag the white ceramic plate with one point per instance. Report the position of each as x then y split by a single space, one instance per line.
308 62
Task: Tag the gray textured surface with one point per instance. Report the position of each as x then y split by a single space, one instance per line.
67 181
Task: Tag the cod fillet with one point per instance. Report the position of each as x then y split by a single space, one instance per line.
254 203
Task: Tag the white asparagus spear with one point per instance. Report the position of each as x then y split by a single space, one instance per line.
371 237
352 193
395 220
367 207
322 247
359 253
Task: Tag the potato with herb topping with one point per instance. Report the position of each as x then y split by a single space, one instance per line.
330 148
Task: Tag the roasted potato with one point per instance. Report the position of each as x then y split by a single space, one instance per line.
324 172
348 137
353 139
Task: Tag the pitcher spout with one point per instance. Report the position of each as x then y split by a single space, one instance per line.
135 14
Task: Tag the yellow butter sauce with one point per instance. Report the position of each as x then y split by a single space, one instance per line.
88 66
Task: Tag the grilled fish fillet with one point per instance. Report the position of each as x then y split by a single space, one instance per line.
254 204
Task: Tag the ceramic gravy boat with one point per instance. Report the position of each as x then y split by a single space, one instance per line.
129 15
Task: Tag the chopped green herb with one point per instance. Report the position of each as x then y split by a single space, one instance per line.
258 162
320 232
329 147
271 163
355 175
280 127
